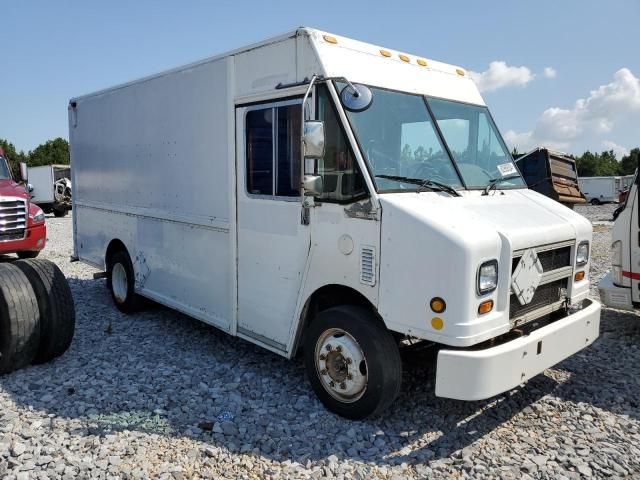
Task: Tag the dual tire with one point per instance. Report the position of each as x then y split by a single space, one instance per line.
37 315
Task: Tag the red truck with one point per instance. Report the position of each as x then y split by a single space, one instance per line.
22 225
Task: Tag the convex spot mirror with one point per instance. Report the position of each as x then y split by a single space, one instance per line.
312 185
313 139
356 98
24 173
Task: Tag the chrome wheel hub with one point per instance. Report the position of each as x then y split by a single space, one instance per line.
119 282
341 365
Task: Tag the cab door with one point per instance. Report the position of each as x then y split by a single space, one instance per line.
273 244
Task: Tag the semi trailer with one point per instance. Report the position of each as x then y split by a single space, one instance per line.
312 193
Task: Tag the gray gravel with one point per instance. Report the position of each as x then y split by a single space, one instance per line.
159 395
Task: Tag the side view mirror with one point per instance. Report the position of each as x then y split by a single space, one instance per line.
29 187
313 139
24 172
312 185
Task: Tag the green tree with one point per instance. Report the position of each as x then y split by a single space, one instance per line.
629 163
13 156
52 152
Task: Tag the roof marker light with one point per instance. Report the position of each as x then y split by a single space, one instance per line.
385 53
422 62
460 72
329 39
404 58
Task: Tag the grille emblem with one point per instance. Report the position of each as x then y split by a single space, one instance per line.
526 276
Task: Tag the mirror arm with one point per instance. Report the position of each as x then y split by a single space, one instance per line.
303 199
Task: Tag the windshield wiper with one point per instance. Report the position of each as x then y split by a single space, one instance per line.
424 183
495 181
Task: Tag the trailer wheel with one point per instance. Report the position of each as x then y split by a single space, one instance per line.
55 303
594 202
28 254
121 281
19 319
352 361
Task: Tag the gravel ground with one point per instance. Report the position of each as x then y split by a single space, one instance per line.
159 395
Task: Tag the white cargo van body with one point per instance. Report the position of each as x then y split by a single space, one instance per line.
188 191
602 189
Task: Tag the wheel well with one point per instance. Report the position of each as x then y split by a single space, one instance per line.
115 245
325 298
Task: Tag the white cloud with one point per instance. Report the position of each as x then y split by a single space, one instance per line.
614 104
549 72
619 150
501 75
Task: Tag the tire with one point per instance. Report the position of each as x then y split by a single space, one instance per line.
55 303
19 319
122 286
594 202
350 333
28 254
59 213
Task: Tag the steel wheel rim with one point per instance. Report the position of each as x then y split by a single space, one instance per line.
341 365
119 283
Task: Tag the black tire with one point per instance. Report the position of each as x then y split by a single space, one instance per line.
55 302
380 351
19 319
594 202
59 213
128 302
28 254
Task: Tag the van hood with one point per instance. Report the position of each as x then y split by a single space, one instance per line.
9 188
524 217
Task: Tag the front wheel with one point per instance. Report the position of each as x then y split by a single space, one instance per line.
594 201
353 362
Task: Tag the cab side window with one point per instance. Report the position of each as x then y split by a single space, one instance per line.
342 179
273 156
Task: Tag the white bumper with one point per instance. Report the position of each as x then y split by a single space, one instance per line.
613 296
479 374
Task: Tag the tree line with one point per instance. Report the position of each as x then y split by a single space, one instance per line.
51 152
604 164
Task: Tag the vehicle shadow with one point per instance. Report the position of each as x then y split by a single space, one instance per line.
163 373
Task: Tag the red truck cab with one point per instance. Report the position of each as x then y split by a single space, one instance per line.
22 225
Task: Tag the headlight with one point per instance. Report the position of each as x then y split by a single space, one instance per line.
616 262
582 254
488 277
38 217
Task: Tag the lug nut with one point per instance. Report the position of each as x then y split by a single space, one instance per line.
331 384
323 356
349 376
323 371
329 347
338 349
343 386
349 361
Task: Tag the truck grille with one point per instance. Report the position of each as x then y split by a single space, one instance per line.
546 295
550 259
13 219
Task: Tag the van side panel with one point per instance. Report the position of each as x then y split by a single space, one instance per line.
152 168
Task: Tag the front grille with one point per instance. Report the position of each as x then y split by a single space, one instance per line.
13 219
545 295
550 259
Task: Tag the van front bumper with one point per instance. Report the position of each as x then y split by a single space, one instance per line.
613 296
480 374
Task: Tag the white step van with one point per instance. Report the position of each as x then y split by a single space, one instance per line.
318 194
620 288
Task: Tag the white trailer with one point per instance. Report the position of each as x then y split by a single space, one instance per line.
599 190
397 216
50 187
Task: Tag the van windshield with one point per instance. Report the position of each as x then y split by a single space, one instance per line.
400 138
4 170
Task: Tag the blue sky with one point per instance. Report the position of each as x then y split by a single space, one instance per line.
588 98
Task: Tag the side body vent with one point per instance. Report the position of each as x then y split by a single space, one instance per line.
368 265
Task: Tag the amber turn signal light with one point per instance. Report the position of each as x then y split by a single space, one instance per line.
578 276
438 305
485 307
